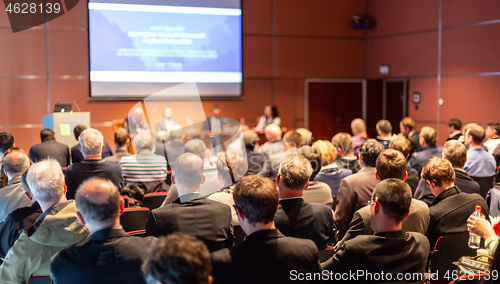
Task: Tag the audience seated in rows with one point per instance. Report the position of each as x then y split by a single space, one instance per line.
428 139
50 148
316 191
110 255
345 156
407 129
384 131
122 143
93 165
297 217
76 153
403 145
358 128
57 228
266 255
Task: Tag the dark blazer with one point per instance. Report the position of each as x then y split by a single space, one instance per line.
77 173
299 219
77 156
420 157
449 212
462 180
265 257
208 220
454 137
117 156
50 148
170 150
391 252
415 142
109 256
412 179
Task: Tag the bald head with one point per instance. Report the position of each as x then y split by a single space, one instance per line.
358 126
15 164
273 132
197 147
98 201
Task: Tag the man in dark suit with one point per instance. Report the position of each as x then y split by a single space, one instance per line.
407 129
175 146
76 153
50 148
110 255
122 142
265 256
428 139
215 124
91 143
295 217
403 145
452 207
390 250
456 153
190 213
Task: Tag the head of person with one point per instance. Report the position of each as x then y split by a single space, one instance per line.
6 142
314 157
188 173
406 125
271 110
197 147
439 174
369 151
358 126
47 134
251 139
466 127
456 153
492 130
327 150
46 182
180 259
167 112
256 200
15 163
392 199
294 173
216 110
391 164
343 142
384 128
78 130
121 137
91 143
143 141
137 113
292 139
98 204
306 135
177 134
428 136
454 124
401 144
273 132
230 167
474 135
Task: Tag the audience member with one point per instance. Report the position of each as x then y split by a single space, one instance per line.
316 191
390 249
296 217
274 143
345 155
270 116
91 143
50 148
292 141
451 207
57 228
330 173
6 142
390 164
134 122
307 136
191 213
355 190
403 145
358 128
76 153
454 126
428 139
122 142
144 166
407 129
175 146
258 163
492 136
384 131
179 259
110 255
456 153
167 124
265 256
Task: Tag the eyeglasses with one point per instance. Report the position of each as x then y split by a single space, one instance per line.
371 202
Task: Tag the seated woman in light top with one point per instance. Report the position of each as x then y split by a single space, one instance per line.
270 116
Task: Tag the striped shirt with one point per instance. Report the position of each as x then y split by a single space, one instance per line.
143 168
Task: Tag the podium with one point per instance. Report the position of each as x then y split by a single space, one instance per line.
63 123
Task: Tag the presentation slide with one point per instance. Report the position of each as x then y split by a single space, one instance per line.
138 50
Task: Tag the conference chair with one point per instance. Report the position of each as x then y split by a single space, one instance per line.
153 200
326 253
448 249
485 184
126 200
134 219
39 280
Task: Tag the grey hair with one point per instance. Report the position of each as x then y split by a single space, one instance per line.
46 180
295 171
18 166
143 140
91 141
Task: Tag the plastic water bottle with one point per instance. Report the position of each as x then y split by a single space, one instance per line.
475 240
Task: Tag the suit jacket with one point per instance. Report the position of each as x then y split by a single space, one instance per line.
414 138
208 220
354 192
162 125
412 179
318 192
109 256
77 156
117 156
449 212
391 252
417 221
77 173
12 197
420 157
299 219
265 257
50 148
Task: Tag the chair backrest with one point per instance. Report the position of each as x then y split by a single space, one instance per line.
326 253
126 200
485 184
134 219
39 280
450 248
138 233
153 200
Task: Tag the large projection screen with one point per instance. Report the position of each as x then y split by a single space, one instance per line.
142 48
